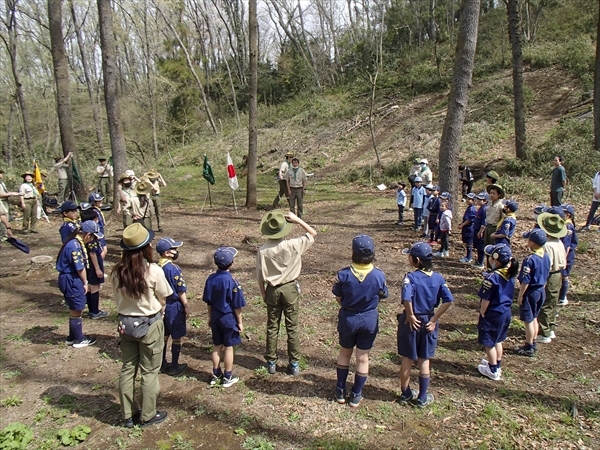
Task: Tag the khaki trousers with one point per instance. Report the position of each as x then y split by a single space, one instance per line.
283 299
104 186
157 208
548 313
30 214
144 354
63 183
297 195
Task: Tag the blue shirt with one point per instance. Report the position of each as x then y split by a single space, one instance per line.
223 292
570 240
425 290
499 291
418 194
174 278
434 205
426 205
479 218
507 227
401 197
67 227
73 257
101 224
470 216
535 270
360 295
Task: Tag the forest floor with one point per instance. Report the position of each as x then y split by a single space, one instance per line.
550 401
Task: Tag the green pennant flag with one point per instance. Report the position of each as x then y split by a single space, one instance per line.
75 172
207 172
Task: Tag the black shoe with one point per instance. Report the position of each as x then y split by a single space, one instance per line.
174 371
133 421
159 417
160 230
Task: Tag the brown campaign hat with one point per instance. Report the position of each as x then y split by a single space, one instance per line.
552 224
499 188
143 188
274 225
136 236
24 174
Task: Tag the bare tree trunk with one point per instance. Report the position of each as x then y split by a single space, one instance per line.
514 33
373 80
459 96
232 85
313 62
252 107
88 80
150 81
8 152
110 72
597 90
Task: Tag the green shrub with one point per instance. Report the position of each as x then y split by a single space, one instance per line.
15 436
71 438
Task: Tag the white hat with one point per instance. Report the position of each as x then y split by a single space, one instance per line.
418 180
130 173
424 161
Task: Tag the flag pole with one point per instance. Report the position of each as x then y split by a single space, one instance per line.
234 203
204 203
209 195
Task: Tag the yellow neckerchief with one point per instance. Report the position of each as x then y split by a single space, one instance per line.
84 252
428 273
510 214
101 214
67 219
568 221
540 252
361 271
503 273
163 261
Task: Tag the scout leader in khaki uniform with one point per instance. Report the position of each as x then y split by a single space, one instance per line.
105 175
493 215
282 180
126 193
29 202
156 180
296 185
60 167
140 207
5 231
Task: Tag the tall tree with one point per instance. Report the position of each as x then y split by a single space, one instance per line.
514 34
252 106
597 89
110 72
459 95
61 78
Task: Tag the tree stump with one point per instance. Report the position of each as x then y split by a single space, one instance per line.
41 262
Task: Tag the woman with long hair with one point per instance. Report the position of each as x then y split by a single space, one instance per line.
139 290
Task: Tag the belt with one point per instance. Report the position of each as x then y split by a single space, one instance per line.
155 195
556 271
282 284
300 187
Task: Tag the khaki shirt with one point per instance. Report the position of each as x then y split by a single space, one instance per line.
148 304
104 171
283 170
134 209
61 170
28 191
298 179
493 215
279 261
3 203
556 251
156 186
125 199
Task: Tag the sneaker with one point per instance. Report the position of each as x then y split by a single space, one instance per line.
340 395
132 421
586 228
445 254
228 382
164 367
552 335
410 209
160 230
543 339
485 362
69 340
407 399
271 367
463 200
422 404
399 223
522 351
85 342
294 369
562 301
159 417
215 380
98 315
174 371
354 399
438 254
465 260
484 369
477 266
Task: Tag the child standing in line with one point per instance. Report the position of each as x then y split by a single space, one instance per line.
418 324
95 201
496 293
225 300
445 226
506 228
418 194
466 227
533 275
70 224
428 190
176 309
478 242
570 242
434 209
401 201
358 290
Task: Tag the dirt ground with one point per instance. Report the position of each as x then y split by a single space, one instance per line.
550 401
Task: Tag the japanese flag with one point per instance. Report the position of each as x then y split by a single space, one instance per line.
233 182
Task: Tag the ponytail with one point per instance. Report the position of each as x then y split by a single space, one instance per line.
513 268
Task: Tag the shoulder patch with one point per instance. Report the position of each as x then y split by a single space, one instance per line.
526 269
487 284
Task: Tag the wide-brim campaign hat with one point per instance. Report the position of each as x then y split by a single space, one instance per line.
136 236
289 153
151 174
24 174
143 188
101 158
492 174
552 224
499 188
123 176
274 225
18 244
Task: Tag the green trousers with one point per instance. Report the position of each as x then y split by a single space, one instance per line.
283 299
127 220
104 186
549 311
144 354
63 184
297 197
30 214
157 208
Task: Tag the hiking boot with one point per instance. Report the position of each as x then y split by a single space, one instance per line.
227 382
174 371
418 403
98 315
340 395
403 400
271 367
484 369
85 342
294 369
159 417
524 351
354 399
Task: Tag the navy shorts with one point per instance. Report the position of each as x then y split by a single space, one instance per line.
91 273
71 287
415 344
533 300
493 328
478 244
431 221
570 260
358 328
174 318
467 236
225 330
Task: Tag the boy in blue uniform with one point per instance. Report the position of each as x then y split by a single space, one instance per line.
466 227
225 300
95 199
401 201
70 224
176 309
357 289
418 195
418 325
496 293
478 223
428 197
533 275
570 242
506 228
434 210
71 263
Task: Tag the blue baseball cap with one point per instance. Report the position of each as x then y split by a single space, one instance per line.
421 250
540 209
558 211
511 205
471 195
84 206
165 244
418 180
89 226
537 236
483 196
430 187
95 197
68 206
224 256
445 195
363 245
499 252
569 209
